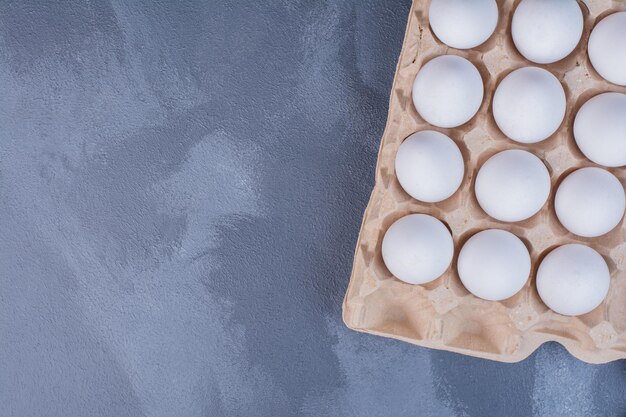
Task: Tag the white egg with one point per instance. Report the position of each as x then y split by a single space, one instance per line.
417 248
546 31
448 91
590 202
463 24
573 279
529 105
494 264
607 48
429 166
512 185
600 129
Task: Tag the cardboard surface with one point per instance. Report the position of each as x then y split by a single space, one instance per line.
442 314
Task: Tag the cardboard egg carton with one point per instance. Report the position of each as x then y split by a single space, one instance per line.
443 314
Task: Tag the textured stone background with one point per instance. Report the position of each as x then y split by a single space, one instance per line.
181 187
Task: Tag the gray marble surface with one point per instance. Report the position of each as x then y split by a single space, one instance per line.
181 188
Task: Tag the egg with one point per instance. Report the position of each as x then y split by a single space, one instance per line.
573 279
546 31
607 48
529 105
590 202
512 185
417 248
494 264
429 166
463 24
600 129
448 91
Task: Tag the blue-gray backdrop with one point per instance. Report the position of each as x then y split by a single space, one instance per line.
181 188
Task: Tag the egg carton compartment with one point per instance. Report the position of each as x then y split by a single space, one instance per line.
443 314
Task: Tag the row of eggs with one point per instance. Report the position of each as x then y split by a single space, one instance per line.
512 185
543 31
528 106
494 264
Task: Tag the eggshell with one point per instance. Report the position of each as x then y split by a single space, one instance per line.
494 264
512 185
590 202
448 91
600 129
529 105
607 48
463 24
417 248
546 31
429 166
573 280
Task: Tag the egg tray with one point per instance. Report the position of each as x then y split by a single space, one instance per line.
443 314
